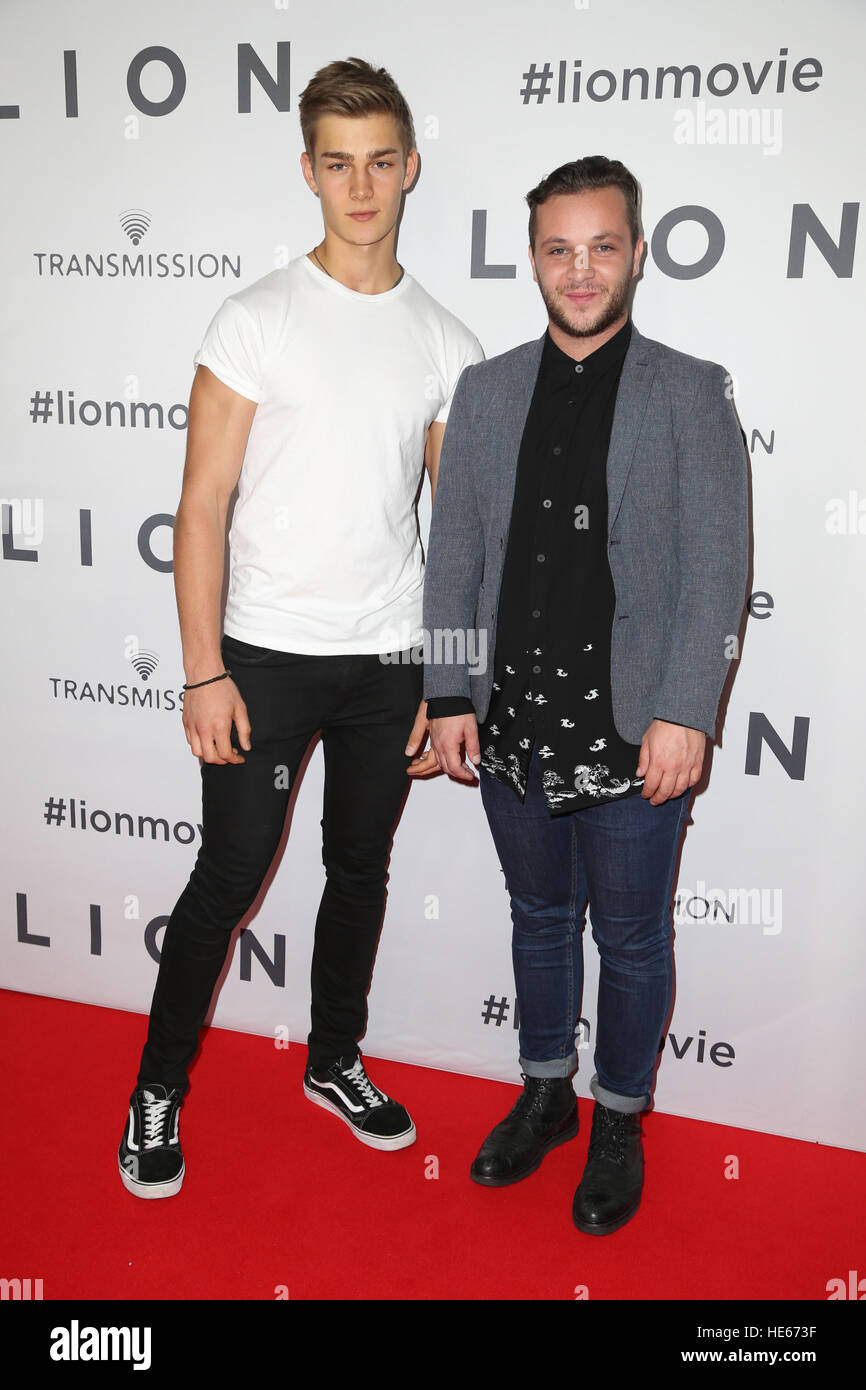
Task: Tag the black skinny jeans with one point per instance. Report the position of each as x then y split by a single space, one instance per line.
365 709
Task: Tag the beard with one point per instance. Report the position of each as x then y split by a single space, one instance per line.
607 313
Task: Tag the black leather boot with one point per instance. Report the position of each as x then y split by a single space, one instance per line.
545 1115
609 1192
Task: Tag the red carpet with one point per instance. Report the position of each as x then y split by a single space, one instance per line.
279 1193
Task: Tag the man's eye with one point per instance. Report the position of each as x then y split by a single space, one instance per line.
558 250
604 248
336 166
383 163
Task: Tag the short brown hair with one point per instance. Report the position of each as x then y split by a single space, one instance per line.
353 87
593 171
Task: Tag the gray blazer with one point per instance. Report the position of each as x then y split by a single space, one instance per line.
677 480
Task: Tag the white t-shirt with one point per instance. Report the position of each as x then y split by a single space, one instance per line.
325 551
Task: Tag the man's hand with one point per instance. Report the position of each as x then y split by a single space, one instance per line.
207 720
451 740
424 763
671 758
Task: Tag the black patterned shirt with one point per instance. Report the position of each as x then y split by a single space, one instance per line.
551 682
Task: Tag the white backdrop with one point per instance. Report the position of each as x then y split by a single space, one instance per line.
769 919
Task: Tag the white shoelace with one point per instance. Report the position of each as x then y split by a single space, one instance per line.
154 1120
363 1084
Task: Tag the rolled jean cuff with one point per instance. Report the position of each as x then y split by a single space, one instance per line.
628 1105
558 1066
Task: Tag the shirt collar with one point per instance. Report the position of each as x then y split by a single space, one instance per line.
561 367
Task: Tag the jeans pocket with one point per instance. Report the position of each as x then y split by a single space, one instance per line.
244 652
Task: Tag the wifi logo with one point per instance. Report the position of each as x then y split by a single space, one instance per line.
135 223
144 662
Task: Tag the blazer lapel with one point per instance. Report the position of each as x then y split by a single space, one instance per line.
508 421
509 410
638 371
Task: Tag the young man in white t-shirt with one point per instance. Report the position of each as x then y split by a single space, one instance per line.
319 390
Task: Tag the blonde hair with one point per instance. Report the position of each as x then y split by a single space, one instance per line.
353 87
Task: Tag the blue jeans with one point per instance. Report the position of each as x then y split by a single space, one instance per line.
621 858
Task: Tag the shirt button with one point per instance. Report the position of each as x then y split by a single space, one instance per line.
536 612
578 366
557 450
540 559
536 670
547 502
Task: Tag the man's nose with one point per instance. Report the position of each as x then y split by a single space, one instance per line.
361 185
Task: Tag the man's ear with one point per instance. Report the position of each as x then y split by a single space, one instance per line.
307 169
532 263
411 168
638 254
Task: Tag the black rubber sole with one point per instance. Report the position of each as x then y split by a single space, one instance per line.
606 1228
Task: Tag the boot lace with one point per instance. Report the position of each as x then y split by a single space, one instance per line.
532 1098
612 1135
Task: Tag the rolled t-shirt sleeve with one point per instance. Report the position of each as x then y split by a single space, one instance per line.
233 350
471 352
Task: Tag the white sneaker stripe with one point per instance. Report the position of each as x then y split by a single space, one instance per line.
330 1086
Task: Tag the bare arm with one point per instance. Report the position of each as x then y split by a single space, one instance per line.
417 738
219 426
432 451
449 744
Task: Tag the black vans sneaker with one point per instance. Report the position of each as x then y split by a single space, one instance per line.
150 1158
347 1091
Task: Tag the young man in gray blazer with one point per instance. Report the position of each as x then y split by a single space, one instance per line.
590 536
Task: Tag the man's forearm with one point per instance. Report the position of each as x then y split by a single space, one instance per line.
199 547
